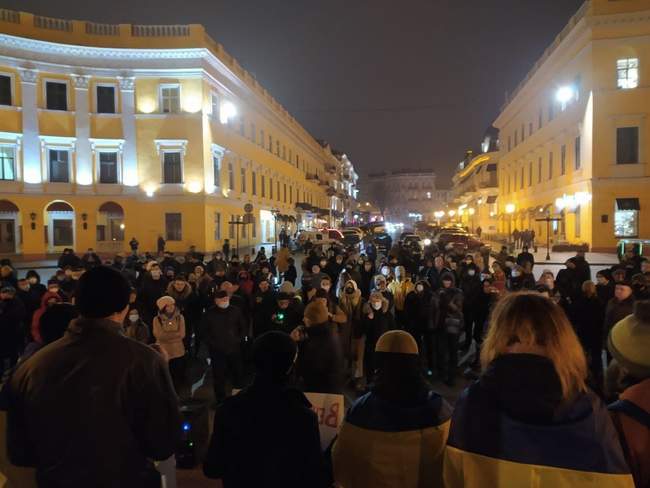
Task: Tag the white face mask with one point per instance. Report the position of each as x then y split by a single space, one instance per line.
326 287
516 274
376 305
223 304
419 288
385 271
471 272
134 317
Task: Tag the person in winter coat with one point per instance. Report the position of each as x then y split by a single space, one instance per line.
223 329
629 343
422 313
278 445
483 305
320 359
135 328
153 286
169 331
471 286
352 339
618 307
530 418
587 320
404 421
400 288
94 408
12 316
520 279
263 303
286 313
367 274
48 298
449 327
568 281
525 257
376 320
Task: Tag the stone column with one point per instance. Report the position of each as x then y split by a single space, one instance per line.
84 159
130 154
32 167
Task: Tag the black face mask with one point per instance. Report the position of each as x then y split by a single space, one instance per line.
349 291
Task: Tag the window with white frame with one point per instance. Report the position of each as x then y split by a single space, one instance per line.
253 182
231 177
626 217
253 133
7 163
263 185
6 97
173 227
172 167
216 170
243 180
170 98
271 188
56 95
59 165
627 73
217 226
627 145
105 99
108 167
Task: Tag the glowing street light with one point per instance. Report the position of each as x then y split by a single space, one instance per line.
227 112
451 213
510 208
564 95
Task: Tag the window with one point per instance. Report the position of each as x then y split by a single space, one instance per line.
539 170
284 152
521 186
626 217
578 162
262 137
577 229
170 99
530 128
563 160
231 227
217 226
231 177
254 183
627 145
253 133
509 143
627 73
7 163
277 148
550 165
271 188
516 138
523 133
551 110
270 143
277 193
108 167
290 157
290 194
216 170
105 99
214 103
172 167
298 162
243 179
5 90
530 173
263 185
59 166
173 227
56 95
540 118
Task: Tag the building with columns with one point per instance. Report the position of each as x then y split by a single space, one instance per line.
109 132
575 138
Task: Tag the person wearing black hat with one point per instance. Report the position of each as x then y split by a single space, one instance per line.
263 303
94 408
277 445
286 313
223 329
618 307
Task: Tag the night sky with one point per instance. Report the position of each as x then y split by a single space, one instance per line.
393 84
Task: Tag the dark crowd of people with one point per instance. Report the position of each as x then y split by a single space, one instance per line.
560 368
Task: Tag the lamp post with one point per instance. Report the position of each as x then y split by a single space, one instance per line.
510 209
548 219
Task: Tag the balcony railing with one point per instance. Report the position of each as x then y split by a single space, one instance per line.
52 24
160 30
102 29
9 16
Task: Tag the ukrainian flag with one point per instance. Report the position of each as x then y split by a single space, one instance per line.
382 445
486 448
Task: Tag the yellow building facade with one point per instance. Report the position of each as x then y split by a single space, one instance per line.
574 136
109 132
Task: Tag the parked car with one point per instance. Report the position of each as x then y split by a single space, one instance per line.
351 237
327 237
383 242
460 242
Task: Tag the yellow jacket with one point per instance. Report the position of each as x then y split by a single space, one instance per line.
400 289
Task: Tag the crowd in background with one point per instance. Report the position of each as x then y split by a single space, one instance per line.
545 352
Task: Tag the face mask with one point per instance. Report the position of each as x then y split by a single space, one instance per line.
385 271
516 274
368 267
134 317
376 305
33 280
326 287
223 304
349 291
471 272
155 274
323 264
419 288
25 288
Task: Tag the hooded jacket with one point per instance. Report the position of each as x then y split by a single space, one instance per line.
352 305
381 444
36 319
422 309
512 428
400 288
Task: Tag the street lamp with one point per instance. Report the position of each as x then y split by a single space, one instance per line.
510 209
564 95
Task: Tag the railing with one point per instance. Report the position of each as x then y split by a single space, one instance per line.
52 24
9 16
160 30
102 29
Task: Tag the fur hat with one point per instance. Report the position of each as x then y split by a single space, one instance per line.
397 342
316 313
629 341
162 302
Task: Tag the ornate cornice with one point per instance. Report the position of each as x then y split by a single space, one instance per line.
28 75
81 81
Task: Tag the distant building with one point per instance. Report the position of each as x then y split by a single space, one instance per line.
407 196
476 186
